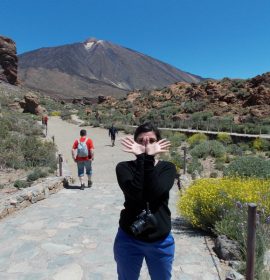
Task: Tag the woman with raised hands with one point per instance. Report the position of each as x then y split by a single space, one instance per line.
145 222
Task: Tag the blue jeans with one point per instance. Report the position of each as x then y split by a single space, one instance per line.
130 252
87 165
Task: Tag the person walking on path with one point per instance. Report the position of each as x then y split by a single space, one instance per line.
145 222
44 120
112 133
83 155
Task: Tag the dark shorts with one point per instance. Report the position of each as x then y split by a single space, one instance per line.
87 165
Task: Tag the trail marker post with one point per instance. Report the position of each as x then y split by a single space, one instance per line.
251 241
60 160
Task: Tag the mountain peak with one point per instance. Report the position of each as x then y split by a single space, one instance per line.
95 67
90 42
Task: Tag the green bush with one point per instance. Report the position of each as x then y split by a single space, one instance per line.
194 166
20 144
219 164
244 146
234 149
201 116
193 106
225 138
36 174
208 148
66 115
176 139
39 153
260 144
177 159
204 202
216 149
233 224
249 166
196 139
4 128
20 184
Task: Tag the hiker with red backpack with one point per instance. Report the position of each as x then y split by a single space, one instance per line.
83 155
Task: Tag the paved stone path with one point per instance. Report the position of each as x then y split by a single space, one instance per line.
69 236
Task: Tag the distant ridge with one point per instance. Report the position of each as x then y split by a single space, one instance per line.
93 68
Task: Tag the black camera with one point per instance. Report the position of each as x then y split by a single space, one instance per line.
146 220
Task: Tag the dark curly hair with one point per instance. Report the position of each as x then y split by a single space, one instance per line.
146 127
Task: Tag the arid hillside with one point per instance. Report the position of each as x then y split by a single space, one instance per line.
227 102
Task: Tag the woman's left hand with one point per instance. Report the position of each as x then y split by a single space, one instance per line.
157 147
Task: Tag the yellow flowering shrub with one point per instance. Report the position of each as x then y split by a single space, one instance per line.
260 144
203 203
55 113
196 139
224 137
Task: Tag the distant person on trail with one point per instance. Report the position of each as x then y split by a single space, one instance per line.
112 133
44 121
83 155
145 222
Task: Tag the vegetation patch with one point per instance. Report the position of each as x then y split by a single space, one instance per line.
204 202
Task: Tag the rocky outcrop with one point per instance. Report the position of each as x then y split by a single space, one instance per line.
8 60
244 100
30 104
227 249
84 100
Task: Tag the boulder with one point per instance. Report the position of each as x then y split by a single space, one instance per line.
227 249
101 99
16 106
255 112
31 104
234 275
230 98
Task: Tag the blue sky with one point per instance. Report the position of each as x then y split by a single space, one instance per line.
210 38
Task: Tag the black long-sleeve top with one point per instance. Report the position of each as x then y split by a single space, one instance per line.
142 181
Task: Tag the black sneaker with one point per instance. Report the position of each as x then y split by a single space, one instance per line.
82 187
90 184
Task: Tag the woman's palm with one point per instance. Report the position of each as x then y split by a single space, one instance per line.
157 147
132 147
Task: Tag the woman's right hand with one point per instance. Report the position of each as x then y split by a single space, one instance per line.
132 147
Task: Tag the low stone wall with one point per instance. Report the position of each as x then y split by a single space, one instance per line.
36 192
28 196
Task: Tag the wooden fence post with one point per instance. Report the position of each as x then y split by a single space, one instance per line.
251 241
185 159
60 159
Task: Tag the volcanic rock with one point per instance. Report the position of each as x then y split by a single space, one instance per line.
8 60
